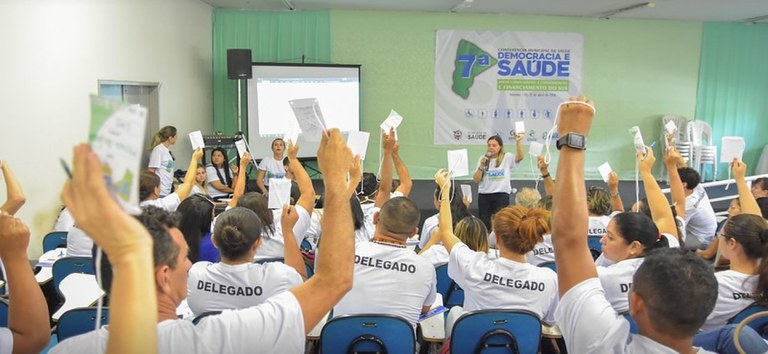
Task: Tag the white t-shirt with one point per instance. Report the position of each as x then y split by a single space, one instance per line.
272 168
496 179
315 228
211 176
198 190
276 326
437 255
79 244
6 341
699 216
503 283
168 203
734 293
65 221
430 225
273 245
599 224
590 325
616 279
542 252
162 161
389 280
219 286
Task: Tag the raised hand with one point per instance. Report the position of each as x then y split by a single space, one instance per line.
576 117
334 159
645 161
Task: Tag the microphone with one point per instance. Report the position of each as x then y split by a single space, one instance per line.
487 161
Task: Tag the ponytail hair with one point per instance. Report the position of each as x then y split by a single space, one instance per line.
639 227
162 135
519 228
236 231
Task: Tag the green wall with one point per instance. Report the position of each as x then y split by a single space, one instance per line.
635 71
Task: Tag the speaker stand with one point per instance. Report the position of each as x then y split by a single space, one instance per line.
239 105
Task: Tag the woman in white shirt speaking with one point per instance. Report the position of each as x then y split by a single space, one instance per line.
493 176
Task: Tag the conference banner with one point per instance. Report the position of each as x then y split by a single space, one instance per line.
488 82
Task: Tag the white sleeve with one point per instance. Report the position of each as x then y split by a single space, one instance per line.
276 325
263 164
432 291
6 341
512 160
302 225
588 322
459 262
155 158
210 174
65 222
170 202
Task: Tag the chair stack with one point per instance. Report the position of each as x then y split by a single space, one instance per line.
704 152
679 140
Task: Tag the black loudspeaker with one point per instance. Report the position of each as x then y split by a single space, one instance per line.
239 64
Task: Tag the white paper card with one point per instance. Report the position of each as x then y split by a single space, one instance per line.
670 127
732 147
458 163
291 136
240 145
196 138
279 192
358 143
534 148
466 191
393 121
310 117
605 171
519 127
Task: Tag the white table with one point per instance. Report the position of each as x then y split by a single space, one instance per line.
79 290
314 334
45 262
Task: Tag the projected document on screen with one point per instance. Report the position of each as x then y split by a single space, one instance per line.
337 89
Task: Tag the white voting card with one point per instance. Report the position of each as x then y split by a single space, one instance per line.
605 171
731 147
458 163
291 136
519 127
393 121
358 143
535 147
466 191
196 138
310 117
240 145
279 192
670 127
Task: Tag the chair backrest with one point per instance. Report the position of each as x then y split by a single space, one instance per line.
78 321
680 122
54 240
595 247
453 294
549 264
699 133
68 265
367 333
492 331
760 325
3 313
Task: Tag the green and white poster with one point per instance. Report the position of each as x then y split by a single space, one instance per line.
116 135
485 81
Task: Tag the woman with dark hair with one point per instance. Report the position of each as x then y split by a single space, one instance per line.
493 176
195 224
271 166
220 177
236 282
161 161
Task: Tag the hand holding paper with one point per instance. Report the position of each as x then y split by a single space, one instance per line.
605 171
196 138
732 148
535 148
392 122
279 192
738 169
241 149
519 127
358 143
310 117
466 190
458 163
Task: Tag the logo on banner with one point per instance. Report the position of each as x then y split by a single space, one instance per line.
457 134
476 135
470 62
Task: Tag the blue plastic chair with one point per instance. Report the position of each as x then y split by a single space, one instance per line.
3 313
550 265
367 333
632 324
595 247
68 265
78 321
760 325
453 294
54 240
496 331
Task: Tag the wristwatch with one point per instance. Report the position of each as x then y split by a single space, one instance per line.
573 141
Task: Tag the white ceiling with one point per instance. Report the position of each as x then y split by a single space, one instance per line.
677 10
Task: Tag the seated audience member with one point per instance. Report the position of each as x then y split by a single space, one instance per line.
219 175
458 212
543 251
369 187
161 160
237 282
149 187
133 310
279 324
64 222
527 197
700 221
509 282
14 194
470 230
29 333
200 186
273 243
760 188
656 206
271 166
672 291
599 207
196 217
388 277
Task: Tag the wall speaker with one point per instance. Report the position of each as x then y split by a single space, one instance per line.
239 64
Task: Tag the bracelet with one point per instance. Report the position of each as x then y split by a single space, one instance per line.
545 176
613 195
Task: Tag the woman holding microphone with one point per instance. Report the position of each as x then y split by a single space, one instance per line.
493 175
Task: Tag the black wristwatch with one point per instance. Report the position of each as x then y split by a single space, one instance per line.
573 141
